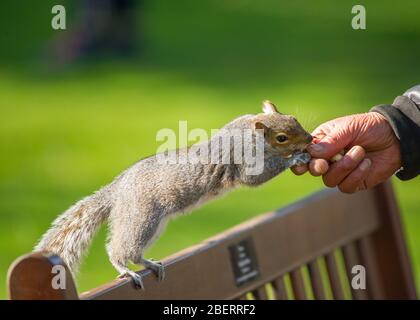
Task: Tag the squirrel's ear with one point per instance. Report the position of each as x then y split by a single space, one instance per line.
261 126
268 107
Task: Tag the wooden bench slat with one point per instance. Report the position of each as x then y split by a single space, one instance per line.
390 252
364 247
298 284
316 280
334 276
352 259
280 288
260 293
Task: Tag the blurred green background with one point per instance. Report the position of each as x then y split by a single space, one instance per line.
64 133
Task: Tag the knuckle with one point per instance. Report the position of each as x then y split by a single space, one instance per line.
346 164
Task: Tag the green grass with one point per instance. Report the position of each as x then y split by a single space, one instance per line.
63 135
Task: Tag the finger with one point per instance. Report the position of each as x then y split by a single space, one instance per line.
342 168
317 137
318 167
331 144
322 130
299 170
354 181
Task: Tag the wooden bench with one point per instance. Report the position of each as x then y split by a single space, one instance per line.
306 250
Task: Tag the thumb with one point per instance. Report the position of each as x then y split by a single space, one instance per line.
331 144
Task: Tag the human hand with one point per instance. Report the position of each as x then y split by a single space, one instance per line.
372 152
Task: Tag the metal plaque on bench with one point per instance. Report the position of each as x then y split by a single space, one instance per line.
244 261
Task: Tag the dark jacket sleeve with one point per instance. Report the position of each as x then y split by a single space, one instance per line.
404 118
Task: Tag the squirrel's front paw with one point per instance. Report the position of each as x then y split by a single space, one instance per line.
299 159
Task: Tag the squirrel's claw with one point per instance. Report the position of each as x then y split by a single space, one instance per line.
161 271
156 266
137 280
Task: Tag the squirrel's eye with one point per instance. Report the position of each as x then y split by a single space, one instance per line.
282 138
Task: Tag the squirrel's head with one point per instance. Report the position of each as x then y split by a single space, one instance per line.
283 133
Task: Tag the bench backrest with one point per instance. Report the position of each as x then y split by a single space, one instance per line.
306 250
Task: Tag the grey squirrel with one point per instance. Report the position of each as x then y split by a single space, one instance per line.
139 202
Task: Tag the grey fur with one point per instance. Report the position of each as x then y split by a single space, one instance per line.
140 201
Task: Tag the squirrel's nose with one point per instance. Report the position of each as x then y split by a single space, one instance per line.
309 138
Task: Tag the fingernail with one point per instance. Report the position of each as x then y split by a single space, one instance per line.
315 148
365 164
355 151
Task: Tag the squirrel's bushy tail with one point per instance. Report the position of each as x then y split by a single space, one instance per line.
72 232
